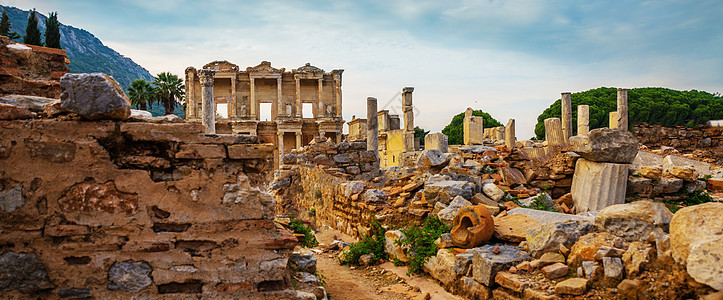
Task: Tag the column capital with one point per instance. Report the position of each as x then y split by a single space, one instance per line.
205 76
408 89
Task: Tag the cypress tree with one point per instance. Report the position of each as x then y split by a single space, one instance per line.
5 27
32 33
52 31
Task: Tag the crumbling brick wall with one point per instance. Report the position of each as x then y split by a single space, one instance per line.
702 141
115 210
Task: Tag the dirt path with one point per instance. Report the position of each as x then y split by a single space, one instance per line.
381 282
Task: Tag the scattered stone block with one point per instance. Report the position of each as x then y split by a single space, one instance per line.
94 96
634 221
544 217
549 237
436 140
448 214
200 151
374 196
668 185
12 112
431 158
613 268
486 264
447 190
441 266
572 286
556 270
513 228
590 270
598 185
32 103
302 260
606 145
606 251
551 258
514 282
391 248
493 191
696 240
588 245
636 258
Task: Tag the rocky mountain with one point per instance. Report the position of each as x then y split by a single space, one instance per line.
86 52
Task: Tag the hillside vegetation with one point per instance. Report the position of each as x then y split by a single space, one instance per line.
455 132
645 105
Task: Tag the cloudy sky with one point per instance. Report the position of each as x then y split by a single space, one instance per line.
509 58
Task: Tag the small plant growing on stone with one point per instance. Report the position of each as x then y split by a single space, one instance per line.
420 242
687 199
540 204
299 227
372 243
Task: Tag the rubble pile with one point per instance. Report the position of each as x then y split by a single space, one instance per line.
702 143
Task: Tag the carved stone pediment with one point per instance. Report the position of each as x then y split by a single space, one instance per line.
222 65
308 68
265 67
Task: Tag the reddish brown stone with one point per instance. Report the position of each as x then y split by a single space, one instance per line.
201 151
95 197
235 287
473 226
12 112
66 230
284 242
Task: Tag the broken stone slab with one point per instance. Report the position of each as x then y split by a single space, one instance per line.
613 268
448 214
32 103
374 195
94 96
598 185
513 228
487 263
556 270
140 114
544 217
446 190
431 158
705 263
701 168
473 225
463 264
302 260
588 245
572 286
493 191
436 140
639 185
634 221
129 276
694 223
511 281
549 237
636 257
680 168
441 266
12 112
606 145
390 246
512 176
668 185
23 272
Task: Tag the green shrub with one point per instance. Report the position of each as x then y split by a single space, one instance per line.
371 243
688 199
299 227
420 242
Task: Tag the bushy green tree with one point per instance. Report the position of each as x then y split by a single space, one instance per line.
52 31
5 27
32 33
455 130
141 94
420 134
651 105
169 90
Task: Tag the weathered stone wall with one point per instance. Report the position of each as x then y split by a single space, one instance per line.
125 210
345 160
702 141
31 70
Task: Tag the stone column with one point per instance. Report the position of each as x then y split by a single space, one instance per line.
232 102
407 108
320 108
596 185
553 132
622 109
510 134
500 133
566 115
298 98
252 105
205 76
372 125
279 101
298 140
614 120
280 145
190 99
583 120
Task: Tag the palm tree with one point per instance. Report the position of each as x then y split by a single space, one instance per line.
141 93
169 90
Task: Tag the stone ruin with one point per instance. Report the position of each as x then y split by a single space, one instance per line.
103 202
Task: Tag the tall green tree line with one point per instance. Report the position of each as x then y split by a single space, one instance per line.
5 26
455 130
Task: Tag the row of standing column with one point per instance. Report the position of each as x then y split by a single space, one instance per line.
558 132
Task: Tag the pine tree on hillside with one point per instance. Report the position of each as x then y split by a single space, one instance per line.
52 31
5 27
32 33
